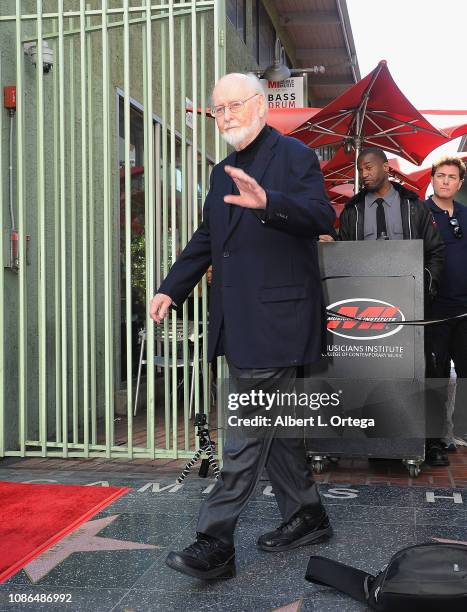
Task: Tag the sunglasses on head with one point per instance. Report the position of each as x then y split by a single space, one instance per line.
456 228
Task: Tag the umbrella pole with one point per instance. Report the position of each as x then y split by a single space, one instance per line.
358 145
357 153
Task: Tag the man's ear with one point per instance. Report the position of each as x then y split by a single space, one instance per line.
262 106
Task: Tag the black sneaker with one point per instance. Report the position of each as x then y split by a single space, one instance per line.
206 558
303 528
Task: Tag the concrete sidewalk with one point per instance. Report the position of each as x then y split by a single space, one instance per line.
371 522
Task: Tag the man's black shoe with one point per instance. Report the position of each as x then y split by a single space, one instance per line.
206 558
436 454
303 528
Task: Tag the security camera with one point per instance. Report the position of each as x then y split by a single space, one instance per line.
30 49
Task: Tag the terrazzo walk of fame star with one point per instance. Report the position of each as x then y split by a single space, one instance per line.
83 539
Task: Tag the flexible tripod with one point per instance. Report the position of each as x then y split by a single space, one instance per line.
206 445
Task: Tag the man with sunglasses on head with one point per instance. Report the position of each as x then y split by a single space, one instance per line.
265 208
448 341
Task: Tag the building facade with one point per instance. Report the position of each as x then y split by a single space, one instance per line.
103 172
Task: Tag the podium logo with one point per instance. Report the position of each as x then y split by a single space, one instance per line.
379 319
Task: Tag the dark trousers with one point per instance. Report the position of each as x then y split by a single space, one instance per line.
445 342
244 460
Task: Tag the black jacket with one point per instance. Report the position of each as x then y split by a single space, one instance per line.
417 223
266 284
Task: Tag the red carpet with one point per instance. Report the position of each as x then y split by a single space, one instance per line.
34 517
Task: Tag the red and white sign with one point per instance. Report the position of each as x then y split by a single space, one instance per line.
377 315
284 94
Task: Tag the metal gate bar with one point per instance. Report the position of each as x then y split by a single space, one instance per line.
66 358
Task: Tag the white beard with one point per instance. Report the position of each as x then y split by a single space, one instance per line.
236 136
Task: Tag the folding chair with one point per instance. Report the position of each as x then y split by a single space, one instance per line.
160 361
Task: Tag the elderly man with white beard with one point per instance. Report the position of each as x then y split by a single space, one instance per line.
265 208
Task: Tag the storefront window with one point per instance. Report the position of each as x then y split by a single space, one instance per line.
137 205
184 198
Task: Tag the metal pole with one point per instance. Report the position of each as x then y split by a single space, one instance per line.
63 233
74 277
108 267
84 226
92 215
22 297
173 219
41 269
149 215
2 289
127 169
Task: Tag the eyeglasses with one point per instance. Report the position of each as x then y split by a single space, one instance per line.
234 107
456 228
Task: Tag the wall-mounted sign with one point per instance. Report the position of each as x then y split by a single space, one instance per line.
285 94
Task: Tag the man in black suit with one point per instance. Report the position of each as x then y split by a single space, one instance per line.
264 210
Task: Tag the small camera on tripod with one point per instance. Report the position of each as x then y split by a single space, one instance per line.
206 446
200 419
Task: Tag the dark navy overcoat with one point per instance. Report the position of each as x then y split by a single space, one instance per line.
266 288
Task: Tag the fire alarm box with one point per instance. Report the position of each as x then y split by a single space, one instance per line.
10 97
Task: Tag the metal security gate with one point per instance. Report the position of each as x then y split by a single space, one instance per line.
102 178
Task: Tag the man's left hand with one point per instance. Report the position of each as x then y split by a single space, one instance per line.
252 195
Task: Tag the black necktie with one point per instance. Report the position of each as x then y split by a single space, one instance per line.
380 219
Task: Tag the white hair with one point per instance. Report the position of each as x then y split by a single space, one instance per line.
256 84
251 79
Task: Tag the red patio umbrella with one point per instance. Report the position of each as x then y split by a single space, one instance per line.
339 169
455 131
340 194
287 120
373 112
440 111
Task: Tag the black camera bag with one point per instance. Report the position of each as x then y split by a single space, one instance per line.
426 577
